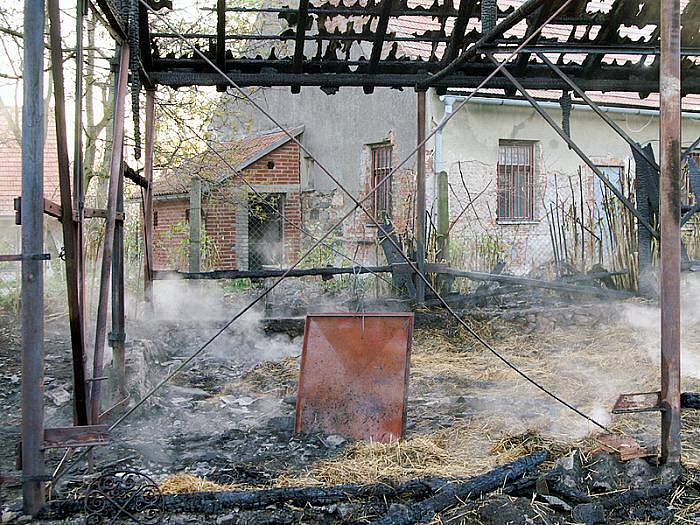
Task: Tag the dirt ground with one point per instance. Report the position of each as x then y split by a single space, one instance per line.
226 423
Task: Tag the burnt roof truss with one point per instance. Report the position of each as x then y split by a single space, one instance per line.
602 46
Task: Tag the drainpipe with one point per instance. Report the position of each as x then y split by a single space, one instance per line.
497 101
437 160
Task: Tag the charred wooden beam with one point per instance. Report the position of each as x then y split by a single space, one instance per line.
617 79
466 8
216 502
455 493
221 40
133 176
300 41
690 400
265 274
379 39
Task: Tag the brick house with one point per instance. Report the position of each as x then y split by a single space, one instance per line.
11 180
242 223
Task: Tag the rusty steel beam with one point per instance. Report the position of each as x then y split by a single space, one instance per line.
148 202
115 172
602 114
547 117
75 314
32 303
420 197
74 437
669 217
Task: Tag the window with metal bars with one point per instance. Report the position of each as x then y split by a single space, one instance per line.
380 168
688 197
516 181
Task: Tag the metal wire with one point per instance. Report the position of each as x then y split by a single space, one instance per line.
358 203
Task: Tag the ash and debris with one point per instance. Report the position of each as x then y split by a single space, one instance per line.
229 418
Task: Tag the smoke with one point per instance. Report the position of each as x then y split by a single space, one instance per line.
645 321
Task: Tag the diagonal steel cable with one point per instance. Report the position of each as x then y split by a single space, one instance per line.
358 204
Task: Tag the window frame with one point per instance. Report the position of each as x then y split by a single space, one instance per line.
381 164
507 199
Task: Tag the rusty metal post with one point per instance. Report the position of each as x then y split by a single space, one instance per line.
148 203
32 310
115 172
195 224
69 230
670 216
117 336
420 199
78 176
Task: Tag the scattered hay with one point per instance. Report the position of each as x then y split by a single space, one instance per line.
271 375
183 483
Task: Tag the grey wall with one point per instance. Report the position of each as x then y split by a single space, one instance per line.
337 127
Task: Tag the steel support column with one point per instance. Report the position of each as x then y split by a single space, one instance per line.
420 198
75 313
32 309
115 172
117 336
670 214
195 253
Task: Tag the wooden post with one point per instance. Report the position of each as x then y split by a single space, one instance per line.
117 335
443 206
670 217
420 200
115 172
69 231
32 309
148 203
195 224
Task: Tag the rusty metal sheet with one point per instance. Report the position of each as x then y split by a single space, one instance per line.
641 402
626 447
75 437
354 375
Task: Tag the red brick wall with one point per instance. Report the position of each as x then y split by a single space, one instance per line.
11 168
170 235
219 213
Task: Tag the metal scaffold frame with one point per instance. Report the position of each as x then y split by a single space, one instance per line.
469 60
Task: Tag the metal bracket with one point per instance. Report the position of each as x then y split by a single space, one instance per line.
636 403
116 337
20 257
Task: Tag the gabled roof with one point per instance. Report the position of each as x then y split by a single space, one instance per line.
240 153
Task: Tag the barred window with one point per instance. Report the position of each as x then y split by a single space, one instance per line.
516 181
381 167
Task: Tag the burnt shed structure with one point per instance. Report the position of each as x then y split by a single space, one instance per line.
569 45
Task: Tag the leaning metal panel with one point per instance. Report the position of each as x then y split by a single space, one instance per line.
354 375
124 496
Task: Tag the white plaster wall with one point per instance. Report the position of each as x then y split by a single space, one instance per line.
471 140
